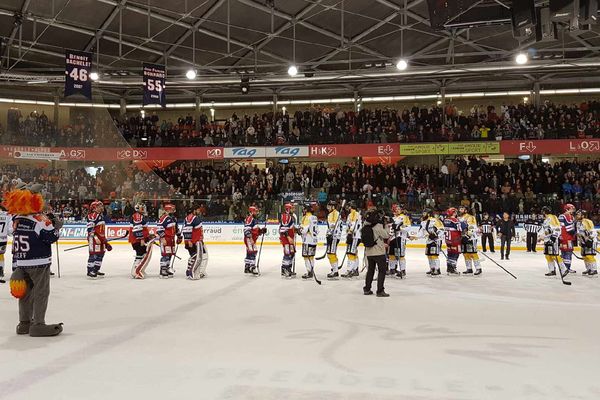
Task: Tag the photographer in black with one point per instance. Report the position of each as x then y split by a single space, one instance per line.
374 234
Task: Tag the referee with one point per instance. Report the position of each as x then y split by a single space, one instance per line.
487 235
533 225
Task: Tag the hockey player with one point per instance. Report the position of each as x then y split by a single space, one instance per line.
469 240
552 231
568 234
587 238
287 237
33 236
97 243
432 229
399 227
193 235
308 231
354 224
453 235
168 231
5 230
333 237
251 234
141 241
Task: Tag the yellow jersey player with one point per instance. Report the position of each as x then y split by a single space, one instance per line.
552 229
470 237
308 231
432 229
334 234
587 237
354 224
399 235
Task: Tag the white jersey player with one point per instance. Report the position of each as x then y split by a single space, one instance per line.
308 231
5 230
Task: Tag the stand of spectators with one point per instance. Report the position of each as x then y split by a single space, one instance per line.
318 125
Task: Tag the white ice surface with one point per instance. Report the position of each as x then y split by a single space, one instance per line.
231 336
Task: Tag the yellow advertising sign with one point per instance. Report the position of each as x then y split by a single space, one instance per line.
466 148
469 148
423 149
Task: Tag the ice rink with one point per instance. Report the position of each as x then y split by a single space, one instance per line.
232 336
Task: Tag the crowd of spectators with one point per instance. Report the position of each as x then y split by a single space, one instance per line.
316 126
518 187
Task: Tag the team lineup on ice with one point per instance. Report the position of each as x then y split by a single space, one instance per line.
492 321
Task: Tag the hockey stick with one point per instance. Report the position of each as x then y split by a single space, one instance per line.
86 245
562 278
57 258
492 260
175 255
312 264
261 245
334 228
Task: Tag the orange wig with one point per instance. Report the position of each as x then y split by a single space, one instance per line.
23 202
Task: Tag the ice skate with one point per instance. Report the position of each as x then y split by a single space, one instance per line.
392 272
551 273
468 272
308 275
451 271
333 276
400 275
348 275
92 275
478 272
571 271
45 330
100 274
592 274
254 271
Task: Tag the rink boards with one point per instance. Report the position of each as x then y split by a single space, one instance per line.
231 233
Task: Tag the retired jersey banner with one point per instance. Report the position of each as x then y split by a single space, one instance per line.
78 67
155 79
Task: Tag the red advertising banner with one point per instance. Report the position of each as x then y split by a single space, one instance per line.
111 153
354 150
564 146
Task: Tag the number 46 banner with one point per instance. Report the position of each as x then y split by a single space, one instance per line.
155 77
78 66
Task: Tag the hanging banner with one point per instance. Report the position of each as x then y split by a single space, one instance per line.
78 66
155 79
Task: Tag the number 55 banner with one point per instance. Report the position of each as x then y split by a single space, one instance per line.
78 66
155 77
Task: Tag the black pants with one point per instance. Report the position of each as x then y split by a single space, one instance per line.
485 238
505 241
531 241
381 264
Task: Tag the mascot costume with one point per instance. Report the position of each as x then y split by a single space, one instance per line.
33 235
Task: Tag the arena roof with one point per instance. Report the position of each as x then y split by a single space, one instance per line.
340 46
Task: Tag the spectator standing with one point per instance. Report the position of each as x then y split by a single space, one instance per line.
506 231
375 254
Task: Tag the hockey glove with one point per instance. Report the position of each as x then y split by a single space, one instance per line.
108 247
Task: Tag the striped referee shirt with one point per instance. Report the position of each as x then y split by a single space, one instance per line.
532 226
486 226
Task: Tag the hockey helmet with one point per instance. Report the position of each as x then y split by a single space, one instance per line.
582 213
96 204
351 204
169 208
451 212
288 207
546 210
426 213
332 203
307 207
568 207
253 210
